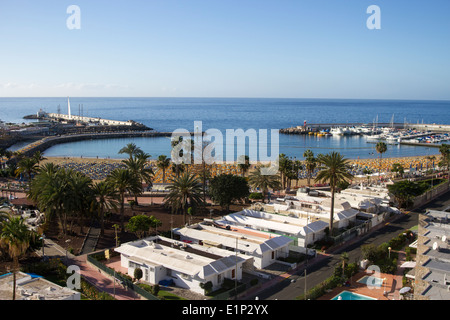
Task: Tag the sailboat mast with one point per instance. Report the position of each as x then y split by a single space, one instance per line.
68 107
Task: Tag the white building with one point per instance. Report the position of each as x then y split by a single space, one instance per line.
265 248
188 265
432 270
316 208
34 288
301 230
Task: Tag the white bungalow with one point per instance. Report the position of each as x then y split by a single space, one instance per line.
187 265
265 248
302 231
32 287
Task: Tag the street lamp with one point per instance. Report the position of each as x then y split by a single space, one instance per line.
389 252
43 244
67 248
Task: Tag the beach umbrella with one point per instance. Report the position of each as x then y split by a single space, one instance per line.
404 290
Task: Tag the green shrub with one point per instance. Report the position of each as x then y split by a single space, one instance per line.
207 287
138 274
255 196
155 290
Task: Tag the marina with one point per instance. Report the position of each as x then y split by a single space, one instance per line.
391 134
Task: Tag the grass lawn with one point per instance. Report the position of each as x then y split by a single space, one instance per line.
169 296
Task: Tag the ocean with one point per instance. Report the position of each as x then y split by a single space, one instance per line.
169 114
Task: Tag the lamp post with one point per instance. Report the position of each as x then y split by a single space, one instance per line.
67 248
389 252
236 273
43 244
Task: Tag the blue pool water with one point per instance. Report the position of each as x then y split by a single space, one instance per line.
347 295
371 281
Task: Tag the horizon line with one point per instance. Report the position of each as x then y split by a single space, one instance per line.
218 97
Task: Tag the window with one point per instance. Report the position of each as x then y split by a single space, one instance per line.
233 273
133 265
273 254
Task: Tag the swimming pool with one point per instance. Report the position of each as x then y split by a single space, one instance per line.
371 281
347 295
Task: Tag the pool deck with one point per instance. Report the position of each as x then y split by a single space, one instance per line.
391 285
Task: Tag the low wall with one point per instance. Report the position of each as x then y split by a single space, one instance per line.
431 194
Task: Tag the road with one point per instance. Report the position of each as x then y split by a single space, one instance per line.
294 286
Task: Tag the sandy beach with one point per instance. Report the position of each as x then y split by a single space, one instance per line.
97 169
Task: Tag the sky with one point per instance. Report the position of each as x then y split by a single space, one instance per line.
218 48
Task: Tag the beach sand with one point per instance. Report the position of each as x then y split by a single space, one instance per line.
97 169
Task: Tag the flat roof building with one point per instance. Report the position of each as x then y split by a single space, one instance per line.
301 230
30 287
263 247
188 265
315 208
432 273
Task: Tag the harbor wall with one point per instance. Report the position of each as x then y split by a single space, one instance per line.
48 142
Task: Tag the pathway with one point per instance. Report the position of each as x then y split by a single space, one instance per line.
91 240
89 272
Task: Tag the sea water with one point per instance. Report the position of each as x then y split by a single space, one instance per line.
169 114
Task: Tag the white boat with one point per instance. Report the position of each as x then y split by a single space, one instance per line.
376 137
337 131
392 139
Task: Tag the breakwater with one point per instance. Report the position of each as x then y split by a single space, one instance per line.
316 127
47 142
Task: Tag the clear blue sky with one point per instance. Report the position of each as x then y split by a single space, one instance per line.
226 48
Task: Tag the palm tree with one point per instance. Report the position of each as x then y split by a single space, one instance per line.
177 169
258 180
381 148
244 164
163 163
138 167
50 191
38 156
367 172
335 171
27 166
344 259
48 168
123 181
80 196
444 150
297 167
184 192
310 164
131 149
16 238
284 165
106 198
